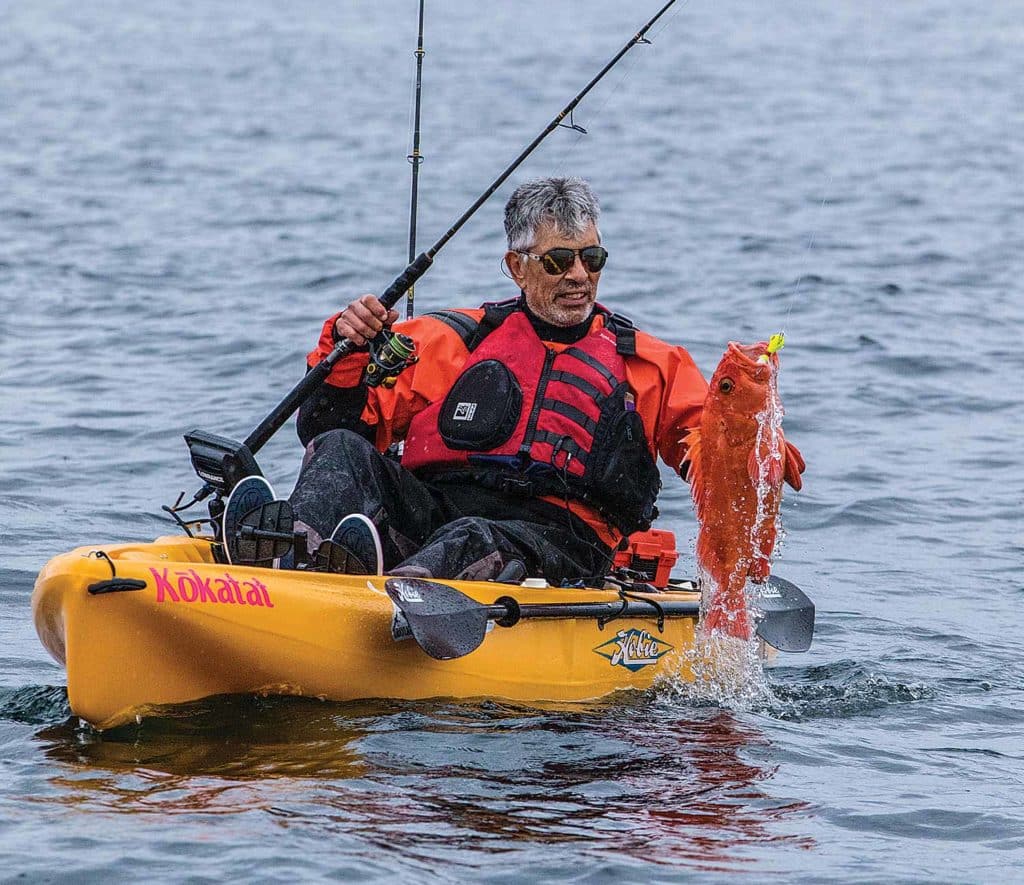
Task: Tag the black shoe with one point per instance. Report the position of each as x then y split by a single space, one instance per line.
257 529
353 548
514 572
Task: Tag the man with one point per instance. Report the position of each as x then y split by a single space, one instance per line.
530 427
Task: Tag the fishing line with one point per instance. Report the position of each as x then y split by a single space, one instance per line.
802 279
412 114
569 148
581 132
629 70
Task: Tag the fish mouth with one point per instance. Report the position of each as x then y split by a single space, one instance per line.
752 357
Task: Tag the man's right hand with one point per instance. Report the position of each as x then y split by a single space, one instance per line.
363 319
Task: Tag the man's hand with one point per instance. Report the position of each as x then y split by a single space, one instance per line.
363 319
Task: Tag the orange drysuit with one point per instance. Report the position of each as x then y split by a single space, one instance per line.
668 390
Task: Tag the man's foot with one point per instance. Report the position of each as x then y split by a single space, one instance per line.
353 548
256 528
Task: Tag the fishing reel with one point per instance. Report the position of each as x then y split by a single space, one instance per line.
391 353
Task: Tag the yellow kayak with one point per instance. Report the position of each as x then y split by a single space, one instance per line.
143 626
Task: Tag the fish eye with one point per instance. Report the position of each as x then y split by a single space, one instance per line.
726 385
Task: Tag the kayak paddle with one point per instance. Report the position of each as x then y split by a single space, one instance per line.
447 623
783 614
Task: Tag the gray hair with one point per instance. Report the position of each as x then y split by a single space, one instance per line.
567 202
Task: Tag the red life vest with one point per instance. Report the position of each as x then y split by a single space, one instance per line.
523 418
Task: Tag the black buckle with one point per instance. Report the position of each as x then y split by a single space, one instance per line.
515 485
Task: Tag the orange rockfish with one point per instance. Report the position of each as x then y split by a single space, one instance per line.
738 460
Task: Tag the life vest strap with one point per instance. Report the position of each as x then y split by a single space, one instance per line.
577 416
577 382
594 364
462 324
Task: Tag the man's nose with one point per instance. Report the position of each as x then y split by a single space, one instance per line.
577 271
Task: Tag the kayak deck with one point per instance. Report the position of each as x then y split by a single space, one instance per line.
195 628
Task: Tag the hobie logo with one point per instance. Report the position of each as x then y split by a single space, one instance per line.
408 593
464 412
633 649
187 585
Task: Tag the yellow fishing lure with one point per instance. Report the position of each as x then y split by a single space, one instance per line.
775 344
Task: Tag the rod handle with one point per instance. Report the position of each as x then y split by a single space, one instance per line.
406 280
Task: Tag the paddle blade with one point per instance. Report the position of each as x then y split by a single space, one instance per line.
445 623
785 616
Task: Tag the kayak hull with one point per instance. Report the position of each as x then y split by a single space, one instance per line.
196 628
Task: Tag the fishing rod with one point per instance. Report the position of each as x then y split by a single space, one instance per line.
415 158
222 462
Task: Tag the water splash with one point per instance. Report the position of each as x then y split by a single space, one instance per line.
736 680
727 672
770 449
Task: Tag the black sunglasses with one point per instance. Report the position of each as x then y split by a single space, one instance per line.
559 261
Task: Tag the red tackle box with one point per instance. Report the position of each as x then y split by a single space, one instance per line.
652 553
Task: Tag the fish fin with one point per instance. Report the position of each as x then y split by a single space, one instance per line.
695 475
694 469
718 621
794 466
754 470
726 611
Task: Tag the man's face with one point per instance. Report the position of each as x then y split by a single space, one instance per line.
564 299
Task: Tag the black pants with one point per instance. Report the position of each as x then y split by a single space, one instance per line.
439 530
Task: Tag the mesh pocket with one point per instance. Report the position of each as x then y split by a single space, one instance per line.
482 408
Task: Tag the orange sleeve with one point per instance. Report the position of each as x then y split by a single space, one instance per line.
390 410
347 372
670 391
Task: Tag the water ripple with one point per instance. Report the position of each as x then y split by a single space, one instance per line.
187 197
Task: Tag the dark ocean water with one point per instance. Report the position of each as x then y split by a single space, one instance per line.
187 189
